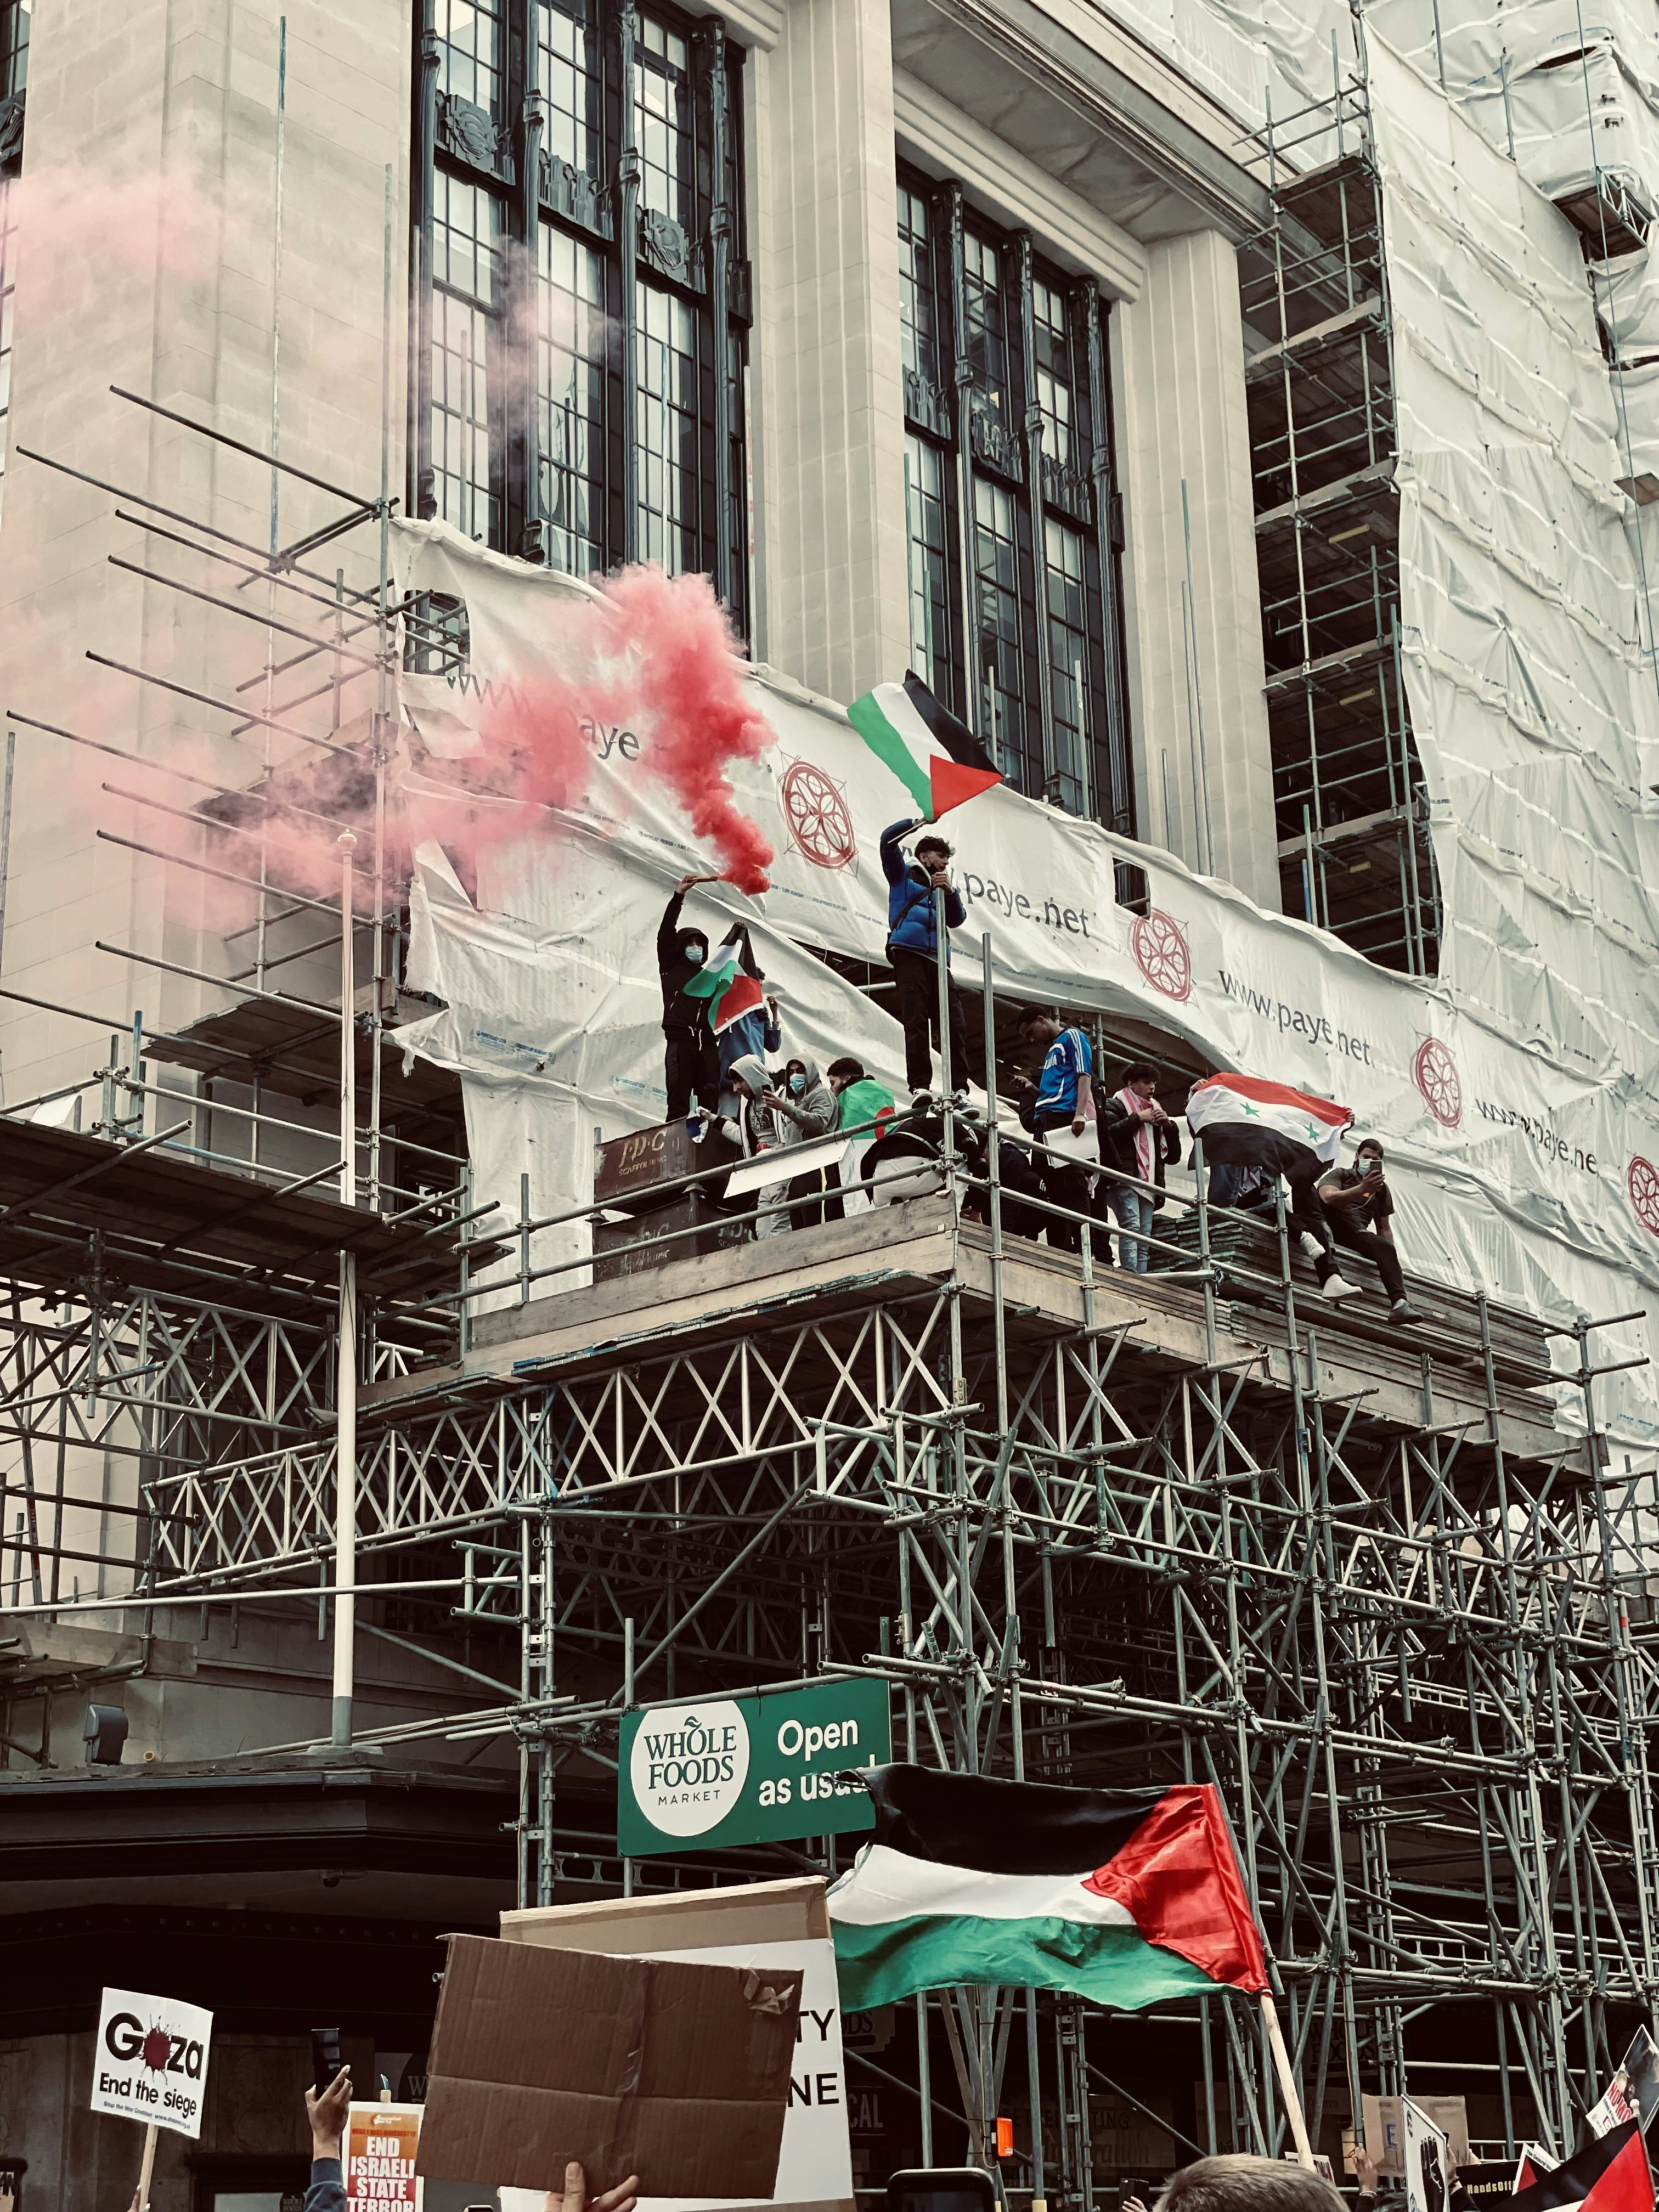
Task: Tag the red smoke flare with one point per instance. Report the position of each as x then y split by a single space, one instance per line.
691 681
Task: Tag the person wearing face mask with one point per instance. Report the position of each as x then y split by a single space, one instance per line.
690 1061
805 1108
756 1126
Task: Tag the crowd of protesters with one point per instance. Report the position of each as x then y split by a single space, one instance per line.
1095 1156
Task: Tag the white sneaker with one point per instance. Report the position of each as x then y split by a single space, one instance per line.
1334 1288
1311 1245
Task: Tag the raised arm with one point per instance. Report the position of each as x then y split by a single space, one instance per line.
893 861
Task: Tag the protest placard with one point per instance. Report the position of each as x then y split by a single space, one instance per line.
380 2142
151 2061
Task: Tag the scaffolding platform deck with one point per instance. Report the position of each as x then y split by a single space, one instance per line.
911 1249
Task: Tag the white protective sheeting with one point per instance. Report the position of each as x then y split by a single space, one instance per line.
1510 1160
1522 598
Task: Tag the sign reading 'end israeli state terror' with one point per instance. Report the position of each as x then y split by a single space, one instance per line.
755 1769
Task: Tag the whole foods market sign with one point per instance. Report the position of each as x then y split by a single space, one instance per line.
749 1770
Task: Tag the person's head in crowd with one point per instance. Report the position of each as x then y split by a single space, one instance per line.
1037 1026
933 853
794 1078
841 1073
749 1074
1369 1151
1141 1077
1240 2182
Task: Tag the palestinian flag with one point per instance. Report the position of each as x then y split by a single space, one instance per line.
1246 1103
1126 1897
938 759
729 979
1609 2175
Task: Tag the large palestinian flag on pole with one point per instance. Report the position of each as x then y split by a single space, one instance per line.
729 979
1126 1897
1609 2175
937 758
1241 1104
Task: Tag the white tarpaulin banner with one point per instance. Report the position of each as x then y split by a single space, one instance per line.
1513 1171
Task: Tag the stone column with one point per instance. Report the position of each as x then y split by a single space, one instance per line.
833 606
1179 370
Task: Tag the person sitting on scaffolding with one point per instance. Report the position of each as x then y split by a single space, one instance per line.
1250 1121
1360 1209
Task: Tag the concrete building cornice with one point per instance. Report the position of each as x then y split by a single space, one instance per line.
1101 116
940 138
757 23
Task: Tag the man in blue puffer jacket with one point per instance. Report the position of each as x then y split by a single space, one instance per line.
913 952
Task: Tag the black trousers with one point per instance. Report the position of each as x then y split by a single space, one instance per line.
690 1064
1064 1184
1377 1249
916 975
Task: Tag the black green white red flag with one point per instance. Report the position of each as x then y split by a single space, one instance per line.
1126 1897
729 979
938 759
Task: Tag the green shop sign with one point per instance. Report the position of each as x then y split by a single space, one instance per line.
749 1770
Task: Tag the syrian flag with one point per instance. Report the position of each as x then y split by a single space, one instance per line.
1126 1897
1609 2175
938 759
1241 1104
729 979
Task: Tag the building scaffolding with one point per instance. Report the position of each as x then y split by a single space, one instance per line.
1352 818
1090 1526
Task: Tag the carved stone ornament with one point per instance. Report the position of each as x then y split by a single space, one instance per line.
926 406
572 193
1067 491
11 128
467 132
995 445
663 245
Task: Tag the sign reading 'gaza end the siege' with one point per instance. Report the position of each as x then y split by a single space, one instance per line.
151 2061
749 1770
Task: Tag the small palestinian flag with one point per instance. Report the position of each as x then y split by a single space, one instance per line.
1609 2175
938 759
729 979
1244 1102
1126 1897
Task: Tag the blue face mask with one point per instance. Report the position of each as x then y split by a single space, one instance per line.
797 1085
695 955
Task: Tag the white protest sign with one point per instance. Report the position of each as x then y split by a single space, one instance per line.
150 2062
1427 2161
380 2142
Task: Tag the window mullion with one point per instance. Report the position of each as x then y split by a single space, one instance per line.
1101 443
523 320
1034 496
627 198
708 43
949 203
425 485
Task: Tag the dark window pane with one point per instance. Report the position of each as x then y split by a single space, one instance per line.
662 123
470 50
918 322
998 667
466 249
665 347
986 331
569 72
570 397
925 468
1051 329
14 45
1068 668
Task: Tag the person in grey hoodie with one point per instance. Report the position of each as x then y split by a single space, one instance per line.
805 1108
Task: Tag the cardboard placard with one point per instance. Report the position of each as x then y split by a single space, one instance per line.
379 2147
1385 2129
765 1925
150 2060
677 2072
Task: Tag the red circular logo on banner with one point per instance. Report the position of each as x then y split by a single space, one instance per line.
816 811
1438 1078
1642 1181
1162 954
